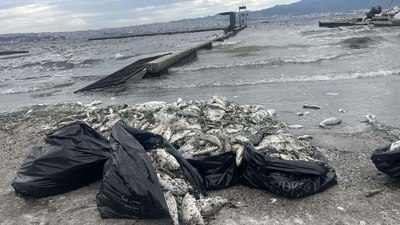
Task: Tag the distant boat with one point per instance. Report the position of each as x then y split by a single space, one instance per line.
374 18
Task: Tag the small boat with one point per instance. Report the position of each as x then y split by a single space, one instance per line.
373 18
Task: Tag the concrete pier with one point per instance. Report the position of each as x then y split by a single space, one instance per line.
156 34
154 65
161 64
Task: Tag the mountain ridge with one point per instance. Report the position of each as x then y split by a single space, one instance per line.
320 6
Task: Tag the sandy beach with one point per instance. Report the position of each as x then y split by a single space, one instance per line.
363 195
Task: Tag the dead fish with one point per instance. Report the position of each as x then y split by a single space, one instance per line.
258 108
166 160
270 139
237 204
110 117
150 106
111 123
241 138
187 147
219 100
215 114
370 118
304 137
187 114
239 155
285 157
295 126
311 106
65 120
210 206
231 130
178 136
190 212
159 129
185 186
144 126
212 139
300 114
194 127
395 146
218 106
167 133
271 112
330 122
169 184
94 103
205 151
172 207
227 145
104 128
273 147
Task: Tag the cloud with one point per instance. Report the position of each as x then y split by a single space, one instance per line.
194 8
68 15
24 10
181 10
42 17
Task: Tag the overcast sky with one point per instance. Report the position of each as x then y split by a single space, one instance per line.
18 16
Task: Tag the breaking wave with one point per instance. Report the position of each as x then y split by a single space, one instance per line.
249 82
226 43
55 65
299 59
33 78
321 31
39 87
15 56
120 56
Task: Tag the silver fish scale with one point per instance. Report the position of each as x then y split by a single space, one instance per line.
286 147
183 122
184 202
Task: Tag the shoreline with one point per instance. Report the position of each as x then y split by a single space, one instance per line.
358 97
347 202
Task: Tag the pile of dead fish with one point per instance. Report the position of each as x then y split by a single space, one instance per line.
198 128
204 128
179 193
284 146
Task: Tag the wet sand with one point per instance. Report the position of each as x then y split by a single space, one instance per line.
349 202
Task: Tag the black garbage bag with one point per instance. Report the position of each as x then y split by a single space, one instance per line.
387 161
219 171
73 157
130 187
288 178
152 141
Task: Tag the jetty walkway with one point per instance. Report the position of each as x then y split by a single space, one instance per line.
156 65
